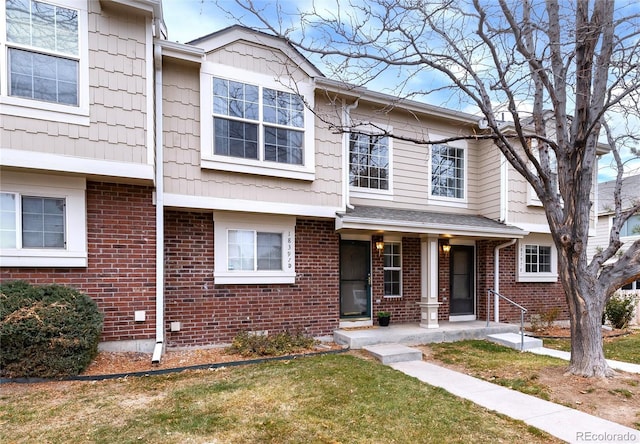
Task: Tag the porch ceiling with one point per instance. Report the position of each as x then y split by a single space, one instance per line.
424 222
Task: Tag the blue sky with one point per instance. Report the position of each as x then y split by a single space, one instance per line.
189 19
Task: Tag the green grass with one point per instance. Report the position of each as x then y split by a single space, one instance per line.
622 348
486 360
324 399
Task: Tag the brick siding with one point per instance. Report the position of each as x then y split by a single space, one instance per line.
120 275
214 314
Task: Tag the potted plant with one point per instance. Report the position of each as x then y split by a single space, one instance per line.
383 318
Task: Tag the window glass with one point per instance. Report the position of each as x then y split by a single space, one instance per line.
241 249
537 259
269 251
369 161
42 222
7 220
237 134
46 28
447 171
631 227
392 269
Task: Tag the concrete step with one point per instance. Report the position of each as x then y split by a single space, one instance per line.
392 353
514 340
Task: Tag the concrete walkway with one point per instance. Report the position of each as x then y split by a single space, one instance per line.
562 422
565 423
616 365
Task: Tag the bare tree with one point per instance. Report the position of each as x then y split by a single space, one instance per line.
560 70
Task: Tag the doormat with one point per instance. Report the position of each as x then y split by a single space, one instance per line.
366 327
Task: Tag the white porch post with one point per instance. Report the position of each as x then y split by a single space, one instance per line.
429 282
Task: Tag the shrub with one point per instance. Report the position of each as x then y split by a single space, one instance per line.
251 344
46 331
619 310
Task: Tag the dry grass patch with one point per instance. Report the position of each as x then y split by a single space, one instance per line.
322 399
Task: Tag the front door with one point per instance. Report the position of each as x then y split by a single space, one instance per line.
462 280
355 279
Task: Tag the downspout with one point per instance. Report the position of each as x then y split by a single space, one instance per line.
345 152
159 178
496 278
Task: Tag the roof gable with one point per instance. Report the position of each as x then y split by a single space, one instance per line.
232 34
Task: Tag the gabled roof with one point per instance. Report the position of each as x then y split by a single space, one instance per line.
425 222
235 33
630 192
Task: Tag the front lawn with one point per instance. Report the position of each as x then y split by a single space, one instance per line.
623 348
323 399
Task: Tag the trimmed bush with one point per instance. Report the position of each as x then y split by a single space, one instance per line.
250 344
47 331
619 310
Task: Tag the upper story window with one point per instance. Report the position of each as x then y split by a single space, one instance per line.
247 117
256 127
631 227
44 50
448 172
392 269
43 56
369 161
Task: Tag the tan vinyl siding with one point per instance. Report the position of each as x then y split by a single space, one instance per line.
488 180
411 173
117 98
183 171
258 59
601 239
521 211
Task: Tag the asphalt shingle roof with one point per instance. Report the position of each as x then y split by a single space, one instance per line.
444 222
630 193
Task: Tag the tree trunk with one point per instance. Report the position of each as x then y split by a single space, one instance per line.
585 311
587 356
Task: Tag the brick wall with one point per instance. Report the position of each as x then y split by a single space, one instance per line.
404 309
120 275
214 314
536 297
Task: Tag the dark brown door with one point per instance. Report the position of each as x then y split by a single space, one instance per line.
355 276
462 280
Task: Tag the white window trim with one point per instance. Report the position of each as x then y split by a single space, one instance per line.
443 200
41 110
225 221
73 190
540 240
210 160
394 240
372 193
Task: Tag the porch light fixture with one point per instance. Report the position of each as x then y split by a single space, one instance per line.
446 248
380 247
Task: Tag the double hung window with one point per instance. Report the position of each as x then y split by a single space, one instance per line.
447 172
392 269
537 259
369 161
254 122
43 56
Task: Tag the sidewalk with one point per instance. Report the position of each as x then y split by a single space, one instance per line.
562 422
616 365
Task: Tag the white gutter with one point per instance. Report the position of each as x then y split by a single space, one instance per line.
159 347
496 278
345 152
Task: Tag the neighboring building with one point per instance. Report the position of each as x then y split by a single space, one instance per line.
630 231
190 192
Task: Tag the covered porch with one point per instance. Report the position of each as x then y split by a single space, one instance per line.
414 334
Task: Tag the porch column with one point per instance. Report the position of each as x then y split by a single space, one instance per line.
429 282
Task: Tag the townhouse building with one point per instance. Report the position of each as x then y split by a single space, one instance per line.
198 190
